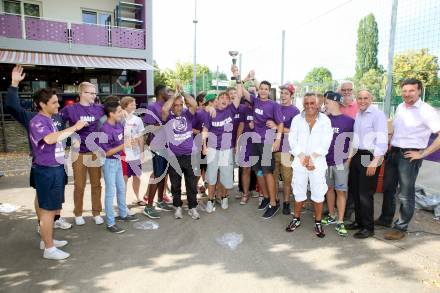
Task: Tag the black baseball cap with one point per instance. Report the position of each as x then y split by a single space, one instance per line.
330 95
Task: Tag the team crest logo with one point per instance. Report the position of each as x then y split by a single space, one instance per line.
179 124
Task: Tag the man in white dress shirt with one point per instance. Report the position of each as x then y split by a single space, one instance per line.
413 124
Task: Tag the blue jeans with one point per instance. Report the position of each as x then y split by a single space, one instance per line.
114 181
402 172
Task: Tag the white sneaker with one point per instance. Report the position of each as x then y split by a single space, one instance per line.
178 213
225 203
79 221
98 220
194 214
209 207
56 254
61 223
56 243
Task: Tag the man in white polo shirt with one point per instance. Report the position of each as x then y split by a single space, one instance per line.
413 124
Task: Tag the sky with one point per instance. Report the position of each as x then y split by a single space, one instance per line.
318 33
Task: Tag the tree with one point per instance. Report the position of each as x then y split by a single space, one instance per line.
367 46
319 79
417 64
373 81
161 76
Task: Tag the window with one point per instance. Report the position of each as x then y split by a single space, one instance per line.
30 9
105 19
93 17
12 7
89 17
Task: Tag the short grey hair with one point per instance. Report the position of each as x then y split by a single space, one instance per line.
367 91
345 82
311 94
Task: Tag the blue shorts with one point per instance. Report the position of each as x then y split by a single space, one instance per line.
49 183
160 165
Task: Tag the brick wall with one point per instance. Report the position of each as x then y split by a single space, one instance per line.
16 137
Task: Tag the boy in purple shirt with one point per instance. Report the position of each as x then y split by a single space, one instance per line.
156 140
197 125
48 167
23 116
247 180
86 162
113 147
283 158
265 109
218 148
180 141
337 156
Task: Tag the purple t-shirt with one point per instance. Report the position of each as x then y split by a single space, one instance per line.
246 116
289 112
198 119
221 126
91 114
44 154
342 132
179 133
156 140
236 123
115 134
264 111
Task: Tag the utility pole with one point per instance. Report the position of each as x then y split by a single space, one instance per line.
283 43
240 61
195 21
389 88
216 78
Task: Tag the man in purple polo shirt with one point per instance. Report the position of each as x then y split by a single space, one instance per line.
283 158
218 148
86 160
179 132
157 142
370 141
413 124
265 109
337 171
48 167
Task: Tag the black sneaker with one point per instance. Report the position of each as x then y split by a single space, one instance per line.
319 230
264 203
295 223
128 218
115 229
286 208
271 211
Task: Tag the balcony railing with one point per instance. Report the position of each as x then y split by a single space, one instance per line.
41 29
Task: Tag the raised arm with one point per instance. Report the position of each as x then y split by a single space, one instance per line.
241 91
137 83
190 103
167 107
13 101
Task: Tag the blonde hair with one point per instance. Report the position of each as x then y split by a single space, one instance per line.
125 101
83 85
